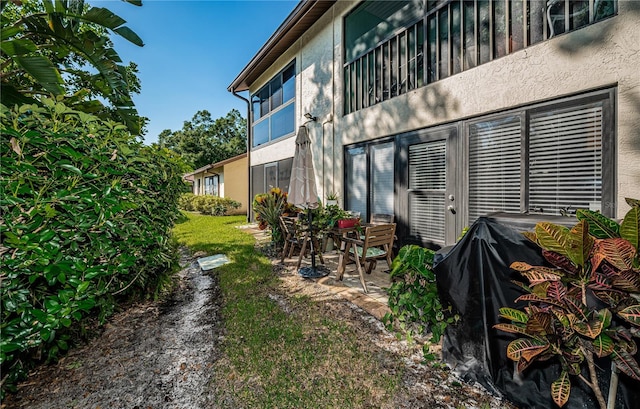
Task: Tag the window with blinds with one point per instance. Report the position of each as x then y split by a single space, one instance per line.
382 164
356 189
565 159
553 165
427 184
494 166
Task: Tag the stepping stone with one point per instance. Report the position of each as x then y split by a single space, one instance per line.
211 262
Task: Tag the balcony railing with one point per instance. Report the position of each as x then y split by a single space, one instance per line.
458 35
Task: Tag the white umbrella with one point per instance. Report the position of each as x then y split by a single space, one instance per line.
302 188
303 192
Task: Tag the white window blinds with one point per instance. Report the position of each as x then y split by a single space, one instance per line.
565 159
494 166
427 183
382 178
357 181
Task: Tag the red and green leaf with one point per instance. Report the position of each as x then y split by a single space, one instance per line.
514 315
580 244
557 291
589 329
553 237
618 252
626 363
541 274
603 345
631 314
525 348
560 261
511 328
561 389
628 281
600 226
540 324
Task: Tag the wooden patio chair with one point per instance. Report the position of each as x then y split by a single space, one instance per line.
377 244
293 238
381 218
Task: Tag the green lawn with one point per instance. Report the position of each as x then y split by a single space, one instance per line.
301 358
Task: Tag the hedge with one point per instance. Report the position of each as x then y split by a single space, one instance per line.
87 213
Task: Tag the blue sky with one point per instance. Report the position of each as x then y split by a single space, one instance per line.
193 51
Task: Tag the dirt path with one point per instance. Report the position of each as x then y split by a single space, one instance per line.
163 355
153 355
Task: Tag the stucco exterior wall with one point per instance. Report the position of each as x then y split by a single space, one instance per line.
605 54
234 183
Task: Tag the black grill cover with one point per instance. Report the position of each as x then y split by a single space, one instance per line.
475 278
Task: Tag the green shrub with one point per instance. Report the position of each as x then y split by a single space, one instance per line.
205 204
186 202
87 217
413 296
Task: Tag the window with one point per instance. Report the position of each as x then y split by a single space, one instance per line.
273 108
370 179
211 185
392 47
274 174
550 159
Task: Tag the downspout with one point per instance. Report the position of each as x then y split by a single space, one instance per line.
249 201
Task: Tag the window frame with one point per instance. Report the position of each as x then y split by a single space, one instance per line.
608 151
267 103
369 184
215 185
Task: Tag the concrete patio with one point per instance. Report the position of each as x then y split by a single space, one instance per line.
374 302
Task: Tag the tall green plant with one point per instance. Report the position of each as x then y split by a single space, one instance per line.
413 295
268 207
87 216
596 258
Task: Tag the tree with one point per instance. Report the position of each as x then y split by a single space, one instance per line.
203 141
63 49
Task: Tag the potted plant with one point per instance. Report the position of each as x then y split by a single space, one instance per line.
331 215
332 199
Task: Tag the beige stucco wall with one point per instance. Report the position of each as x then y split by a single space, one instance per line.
605 54
235 185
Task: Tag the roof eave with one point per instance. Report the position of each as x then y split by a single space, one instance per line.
299 20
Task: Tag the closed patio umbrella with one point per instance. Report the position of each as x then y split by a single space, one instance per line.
303 192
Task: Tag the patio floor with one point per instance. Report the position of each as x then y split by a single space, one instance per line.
374 302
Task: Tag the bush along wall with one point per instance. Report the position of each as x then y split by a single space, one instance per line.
86 216
207 204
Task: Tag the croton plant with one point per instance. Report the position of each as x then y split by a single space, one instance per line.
587 304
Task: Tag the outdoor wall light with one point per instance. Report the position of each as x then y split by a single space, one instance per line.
310 117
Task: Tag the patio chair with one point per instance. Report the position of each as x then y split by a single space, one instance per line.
293 238
381 218
377 244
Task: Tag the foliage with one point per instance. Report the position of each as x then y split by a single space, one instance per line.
268 207
280 351
329 215
207 204
203 141
413 295
332 196
63 49
87 215
586 304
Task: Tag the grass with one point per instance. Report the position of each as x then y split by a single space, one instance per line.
275 357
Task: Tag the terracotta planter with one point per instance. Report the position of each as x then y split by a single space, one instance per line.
345 223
